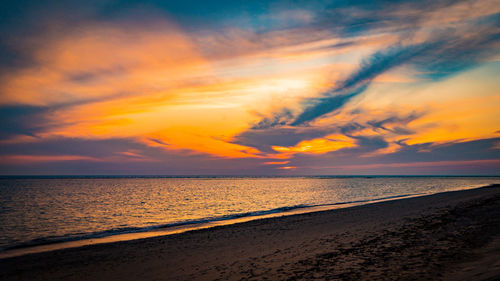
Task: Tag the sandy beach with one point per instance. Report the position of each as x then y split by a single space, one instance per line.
446 236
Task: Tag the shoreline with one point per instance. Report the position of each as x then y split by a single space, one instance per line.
177 228
416 238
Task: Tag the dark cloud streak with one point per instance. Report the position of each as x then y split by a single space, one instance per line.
324 105
444 53
21 120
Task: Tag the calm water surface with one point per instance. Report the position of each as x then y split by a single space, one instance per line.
41 210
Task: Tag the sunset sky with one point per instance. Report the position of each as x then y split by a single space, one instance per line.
250 87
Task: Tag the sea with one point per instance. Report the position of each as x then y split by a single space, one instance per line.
46 210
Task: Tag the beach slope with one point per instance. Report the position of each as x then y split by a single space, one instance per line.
446 236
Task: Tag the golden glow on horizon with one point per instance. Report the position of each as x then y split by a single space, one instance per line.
276 163
287 168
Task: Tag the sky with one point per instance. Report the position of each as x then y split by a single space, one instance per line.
187 87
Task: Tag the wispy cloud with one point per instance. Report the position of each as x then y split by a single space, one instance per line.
435 54
265 87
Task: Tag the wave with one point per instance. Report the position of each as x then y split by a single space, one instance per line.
124 230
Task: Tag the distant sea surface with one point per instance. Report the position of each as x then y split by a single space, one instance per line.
41 210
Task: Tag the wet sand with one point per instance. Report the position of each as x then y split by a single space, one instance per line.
446 236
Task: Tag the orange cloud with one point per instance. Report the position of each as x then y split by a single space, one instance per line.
318 146
104 61
166 88
116 82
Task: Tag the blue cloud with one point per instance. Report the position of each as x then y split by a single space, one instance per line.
21 120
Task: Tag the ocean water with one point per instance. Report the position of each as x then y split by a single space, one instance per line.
35 211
